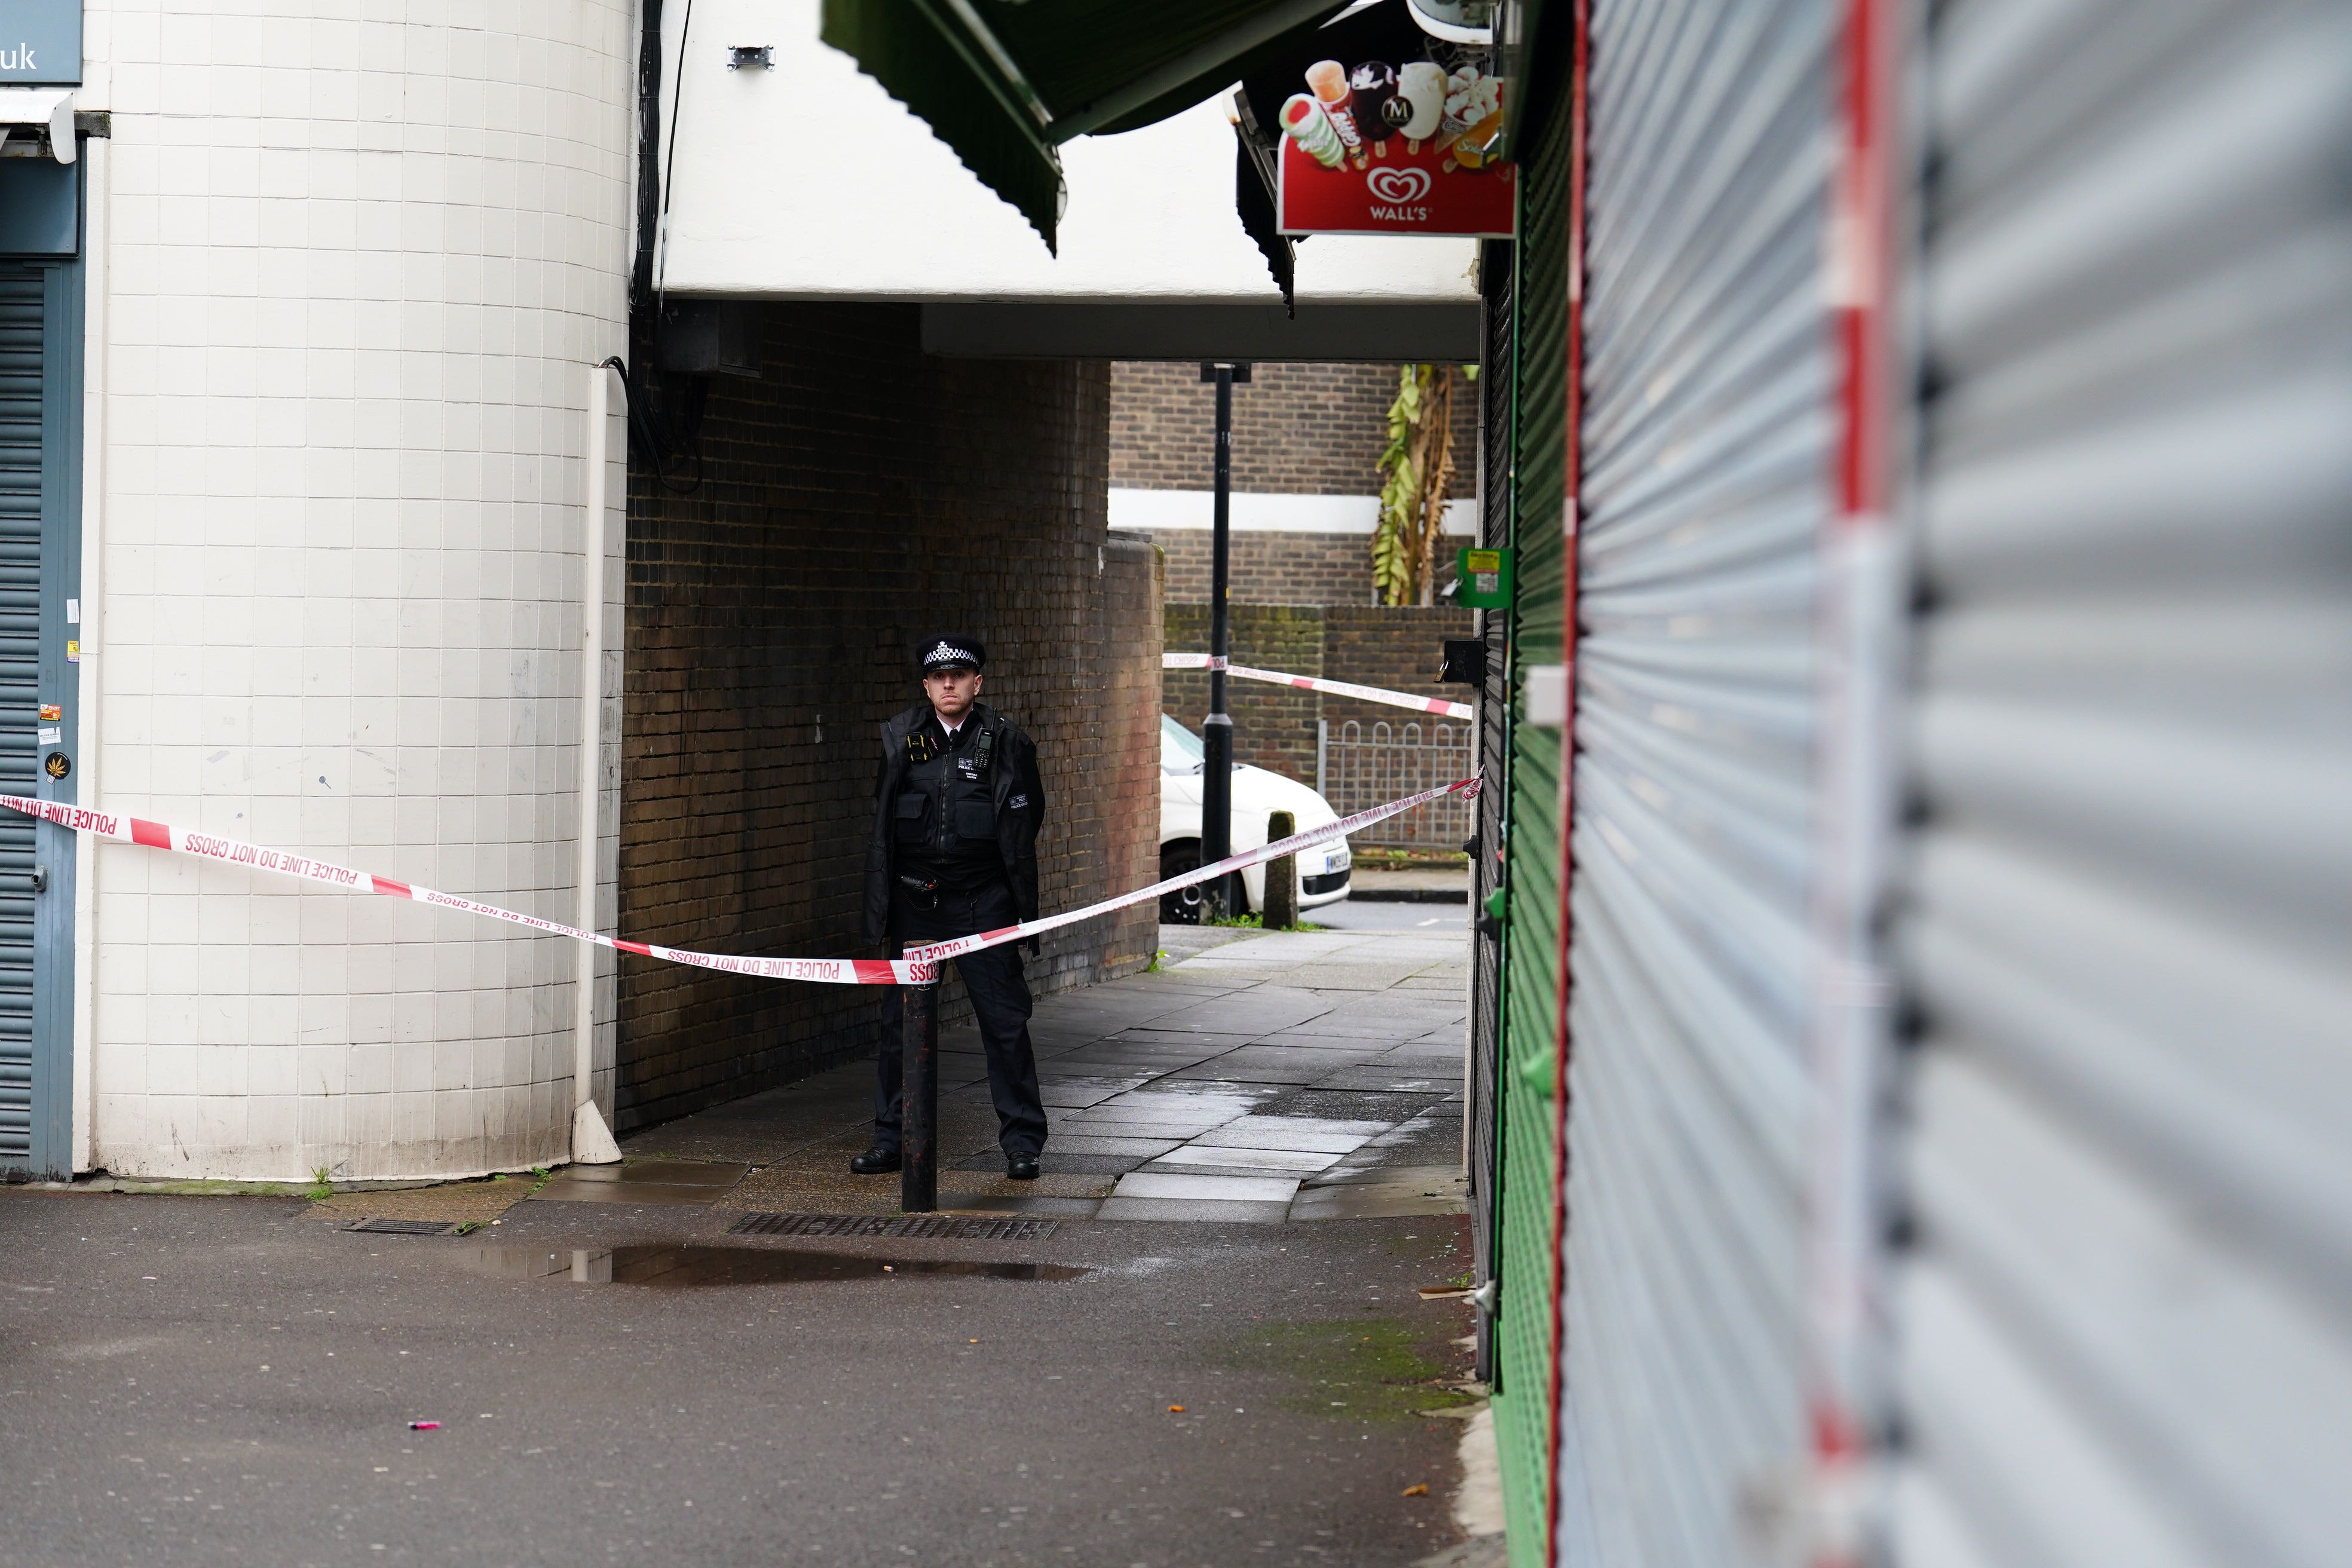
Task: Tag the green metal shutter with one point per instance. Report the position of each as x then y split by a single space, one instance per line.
1524 1323
1494 273
23 321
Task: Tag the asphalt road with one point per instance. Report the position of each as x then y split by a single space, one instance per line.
201 1381
1353 914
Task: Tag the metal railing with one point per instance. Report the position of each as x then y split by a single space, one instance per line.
1360 767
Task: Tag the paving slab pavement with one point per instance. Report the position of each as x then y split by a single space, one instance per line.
1222 1364
1143 1077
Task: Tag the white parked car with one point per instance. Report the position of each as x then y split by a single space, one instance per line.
1257 794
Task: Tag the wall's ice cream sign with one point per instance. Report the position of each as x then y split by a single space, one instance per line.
1375 148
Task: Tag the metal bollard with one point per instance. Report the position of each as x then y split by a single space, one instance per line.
1281 876
918 1090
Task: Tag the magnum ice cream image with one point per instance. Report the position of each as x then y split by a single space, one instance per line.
1419 106
1328 81
1304 121
1373 85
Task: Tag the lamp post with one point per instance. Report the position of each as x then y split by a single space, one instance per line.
1217 729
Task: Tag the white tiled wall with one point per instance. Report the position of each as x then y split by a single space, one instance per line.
359 255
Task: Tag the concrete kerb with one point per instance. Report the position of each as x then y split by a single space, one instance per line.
203 1188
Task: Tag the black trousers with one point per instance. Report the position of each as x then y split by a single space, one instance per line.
1000 997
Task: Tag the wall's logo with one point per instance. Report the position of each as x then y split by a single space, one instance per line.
1425 189
1398 186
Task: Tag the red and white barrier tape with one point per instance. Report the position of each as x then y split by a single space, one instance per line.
936 950
285 863
921 967
1310 683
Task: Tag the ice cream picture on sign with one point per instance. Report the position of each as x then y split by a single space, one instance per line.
1373 147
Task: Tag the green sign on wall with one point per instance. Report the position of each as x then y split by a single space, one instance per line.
1485 577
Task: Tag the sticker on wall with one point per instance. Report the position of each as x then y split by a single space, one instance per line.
73 652
1484 578
51 712
56 764
51 736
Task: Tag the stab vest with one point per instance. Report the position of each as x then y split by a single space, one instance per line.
946 820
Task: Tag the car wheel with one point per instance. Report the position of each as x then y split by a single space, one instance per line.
1181 907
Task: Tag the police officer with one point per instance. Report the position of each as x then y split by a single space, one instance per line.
956 806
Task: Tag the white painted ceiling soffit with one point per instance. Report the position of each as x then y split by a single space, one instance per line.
806 181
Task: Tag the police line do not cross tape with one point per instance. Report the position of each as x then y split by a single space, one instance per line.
920 967
1314 683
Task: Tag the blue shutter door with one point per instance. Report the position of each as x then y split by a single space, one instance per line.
40 314
22 342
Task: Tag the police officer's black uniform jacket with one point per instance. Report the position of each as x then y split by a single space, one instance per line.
940 815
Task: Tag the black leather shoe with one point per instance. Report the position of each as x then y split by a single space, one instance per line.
876 1162
1021 1167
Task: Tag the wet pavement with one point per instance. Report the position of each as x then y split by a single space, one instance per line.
1251 1070
618 1377
684 1266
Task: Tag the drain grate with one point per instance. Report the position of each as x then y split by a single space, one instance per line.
934 1227
404 1226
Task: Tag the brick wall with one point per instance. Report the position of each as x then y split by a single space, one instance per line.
1274 726
1299 429
1274 568
1129 633
857 498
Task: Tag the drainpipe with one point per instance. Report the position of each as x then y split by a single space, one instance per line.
592 1138
97 241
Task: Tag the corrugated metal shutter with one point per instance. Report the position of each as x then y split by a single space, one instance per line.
1523 1326
1496 265
2127 1321
1708 467
23 321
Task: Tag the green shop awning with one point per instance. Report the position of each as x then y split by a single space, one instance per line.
1005 83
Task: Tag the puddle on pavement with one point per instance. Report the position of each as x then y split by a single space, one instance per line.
1386 1107
676 1266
